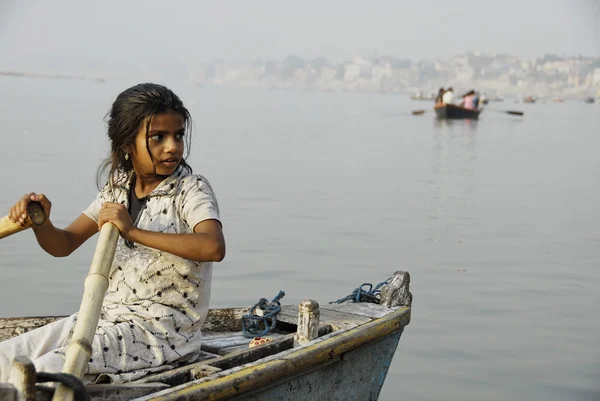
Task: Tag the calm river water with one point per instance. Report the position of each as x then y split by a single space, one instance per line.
496 220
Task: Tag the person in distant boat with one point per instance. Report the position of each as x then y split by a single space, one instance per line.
468 100
476 98
170 235
440 94
482 99
448 97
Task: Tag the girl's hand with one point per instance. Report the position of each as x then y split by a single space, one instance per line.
116 214
18 213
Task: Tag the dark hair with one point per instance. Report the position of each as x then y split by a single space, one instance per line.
130 109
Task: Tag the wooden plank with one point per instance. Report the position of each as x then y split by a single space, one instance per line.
113 392
177 376
27 322
231 350
241 357
215 345
211 335
203 371
249 355
228 319
337 319
205 356
14 326
183 374
217 320
366 309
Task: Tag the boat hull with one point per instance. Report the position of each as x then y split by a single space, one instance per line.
363 354
345 364
338 351
450 111
355 375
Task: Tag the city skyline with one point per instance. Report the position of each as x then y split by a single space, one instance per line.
497 74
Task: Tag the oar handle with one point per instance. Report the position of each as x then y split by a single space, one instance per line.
36 217
80 348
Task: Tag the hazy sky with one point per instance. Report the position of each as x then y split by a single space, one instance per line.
128 31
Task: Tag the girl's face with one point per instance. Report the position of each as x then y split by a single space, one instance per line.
166 144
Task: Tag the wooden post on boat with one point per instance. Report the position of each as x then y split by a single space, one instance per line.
36 216
96 283
8 392
22 377
308 322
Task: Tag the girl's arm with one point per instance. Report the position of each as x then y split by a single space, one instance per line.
62 242
205 244
53 240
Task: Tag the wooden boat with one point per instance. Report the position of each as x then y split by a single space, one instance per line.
451 111
335 351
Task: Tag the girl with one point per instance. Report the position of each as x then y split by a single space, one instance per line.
168 219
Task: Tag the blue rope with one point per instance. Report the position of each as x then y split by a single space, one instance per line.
372 295
251 324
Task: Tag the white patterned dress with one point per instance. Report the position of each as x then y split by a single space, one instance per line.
156 302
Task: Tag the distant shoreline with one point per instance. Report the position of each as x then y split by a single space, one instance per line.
49 76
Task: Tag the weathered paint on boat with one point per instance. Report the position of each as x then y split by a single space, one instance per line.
357 375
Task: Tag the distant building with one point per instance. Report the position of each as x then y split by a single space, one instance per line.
351 72
596 77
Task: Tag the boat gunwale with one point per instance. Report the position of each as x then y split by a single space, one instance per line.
267 371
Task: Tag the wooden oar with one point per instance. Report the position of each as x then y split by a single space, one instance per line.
513 112
36 217
96 283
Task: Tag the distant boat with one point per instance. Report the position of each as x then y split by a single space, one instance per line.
451 111
485 100
421 96
529 99
590 100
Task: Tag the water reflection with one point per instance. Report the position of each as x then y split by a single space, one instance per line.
453 186
454 140
449 123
